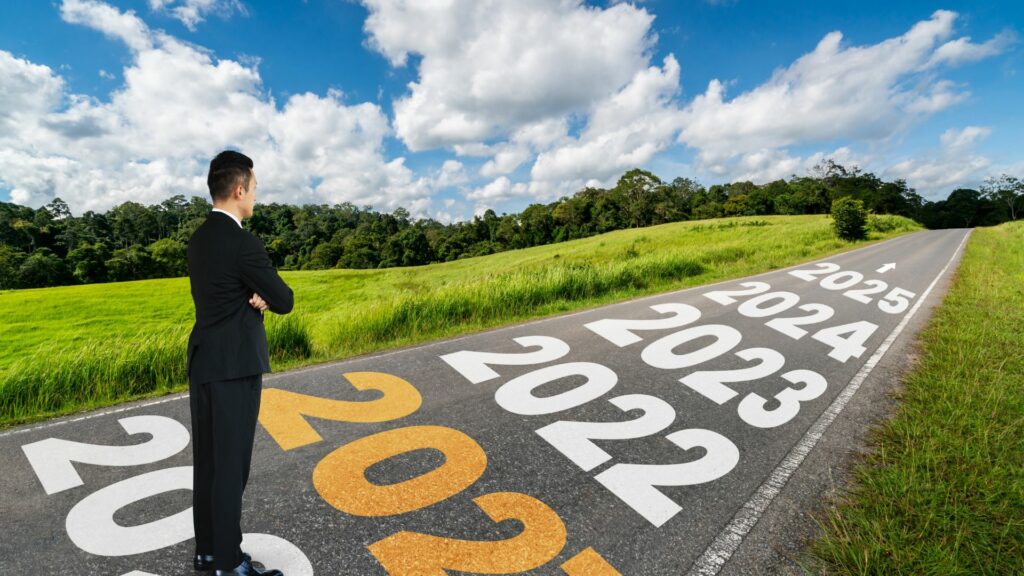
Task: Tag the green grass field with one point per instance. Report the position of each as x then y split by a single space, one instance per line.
70 348
942 493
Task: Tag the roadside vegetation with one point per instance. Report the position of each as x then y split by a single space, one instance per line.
68 348
942 492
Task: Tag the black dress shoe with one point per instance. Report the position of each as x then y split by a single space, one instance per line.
246 569
204 562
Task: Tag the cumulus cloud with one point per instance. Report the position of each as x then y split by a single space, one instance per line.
452 173
28 91
506 80
499 190
955 165
124 26
177 107
865 93
624 130
522 84
193 12
522 146
490 67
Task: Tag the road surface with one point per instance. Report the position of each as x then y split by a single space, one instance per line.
648 437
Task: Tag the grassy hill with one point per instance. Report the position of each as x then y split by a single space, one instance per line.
69 348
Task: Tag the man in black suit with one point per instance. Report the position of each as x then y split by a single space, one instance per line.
233 282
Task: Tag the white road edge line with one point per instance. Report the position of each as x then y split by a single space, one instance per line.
730 538
331 364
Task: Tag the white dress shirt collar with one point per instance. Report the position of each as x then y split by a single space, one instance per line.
233 217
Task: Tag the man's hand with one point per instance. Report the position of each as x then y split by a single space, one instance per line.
257 302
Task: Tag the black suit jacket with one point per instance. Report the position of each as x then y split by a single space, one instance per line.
226 265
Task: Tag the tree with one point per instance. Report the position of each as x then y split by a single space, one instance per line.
132 263
87 262
58 209
683 192
170 259
362 249
608 213
568 218
1006 191
485 226
966 206
324 255
28 231
509 234
810 196
408 248
170 215
11 260
133 223
707 210
637 188
759 200
43 268
850 218
537 224
76 232
456 242
737 205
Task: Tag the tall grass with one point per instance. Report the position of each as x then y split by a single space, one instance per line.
102 372
500 296
288 336
97 373
942 493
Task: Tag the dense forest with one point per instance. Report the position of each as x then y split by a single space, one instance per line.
50 247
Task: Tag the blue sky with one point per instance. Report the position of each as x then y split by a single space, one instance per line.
482 104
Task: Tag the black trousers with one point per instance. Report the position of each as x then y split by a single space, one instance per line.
224 415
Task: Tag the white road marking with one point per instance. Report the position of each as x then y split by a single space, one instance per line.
730 538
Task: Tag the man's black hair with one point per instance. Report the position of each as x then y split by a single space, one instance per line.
228 170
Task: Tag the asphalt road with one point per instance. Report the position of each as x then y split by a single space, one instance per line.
648 437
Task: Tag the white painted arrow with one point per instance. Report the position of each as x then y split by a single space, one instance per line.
887 267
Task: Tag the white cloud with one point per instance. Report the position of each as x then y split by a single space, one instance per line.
452 173
193 12
124 26
959 140
939 96
866 93
27 91
498 190
506 80
624 130
955 165
769 164
961 50
489 67
524 144
492 75
178 107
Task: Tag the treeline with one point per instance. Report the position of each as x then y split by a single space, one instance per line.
49 247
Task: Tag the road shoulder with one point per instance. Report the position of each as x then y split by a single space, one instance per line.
776 544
